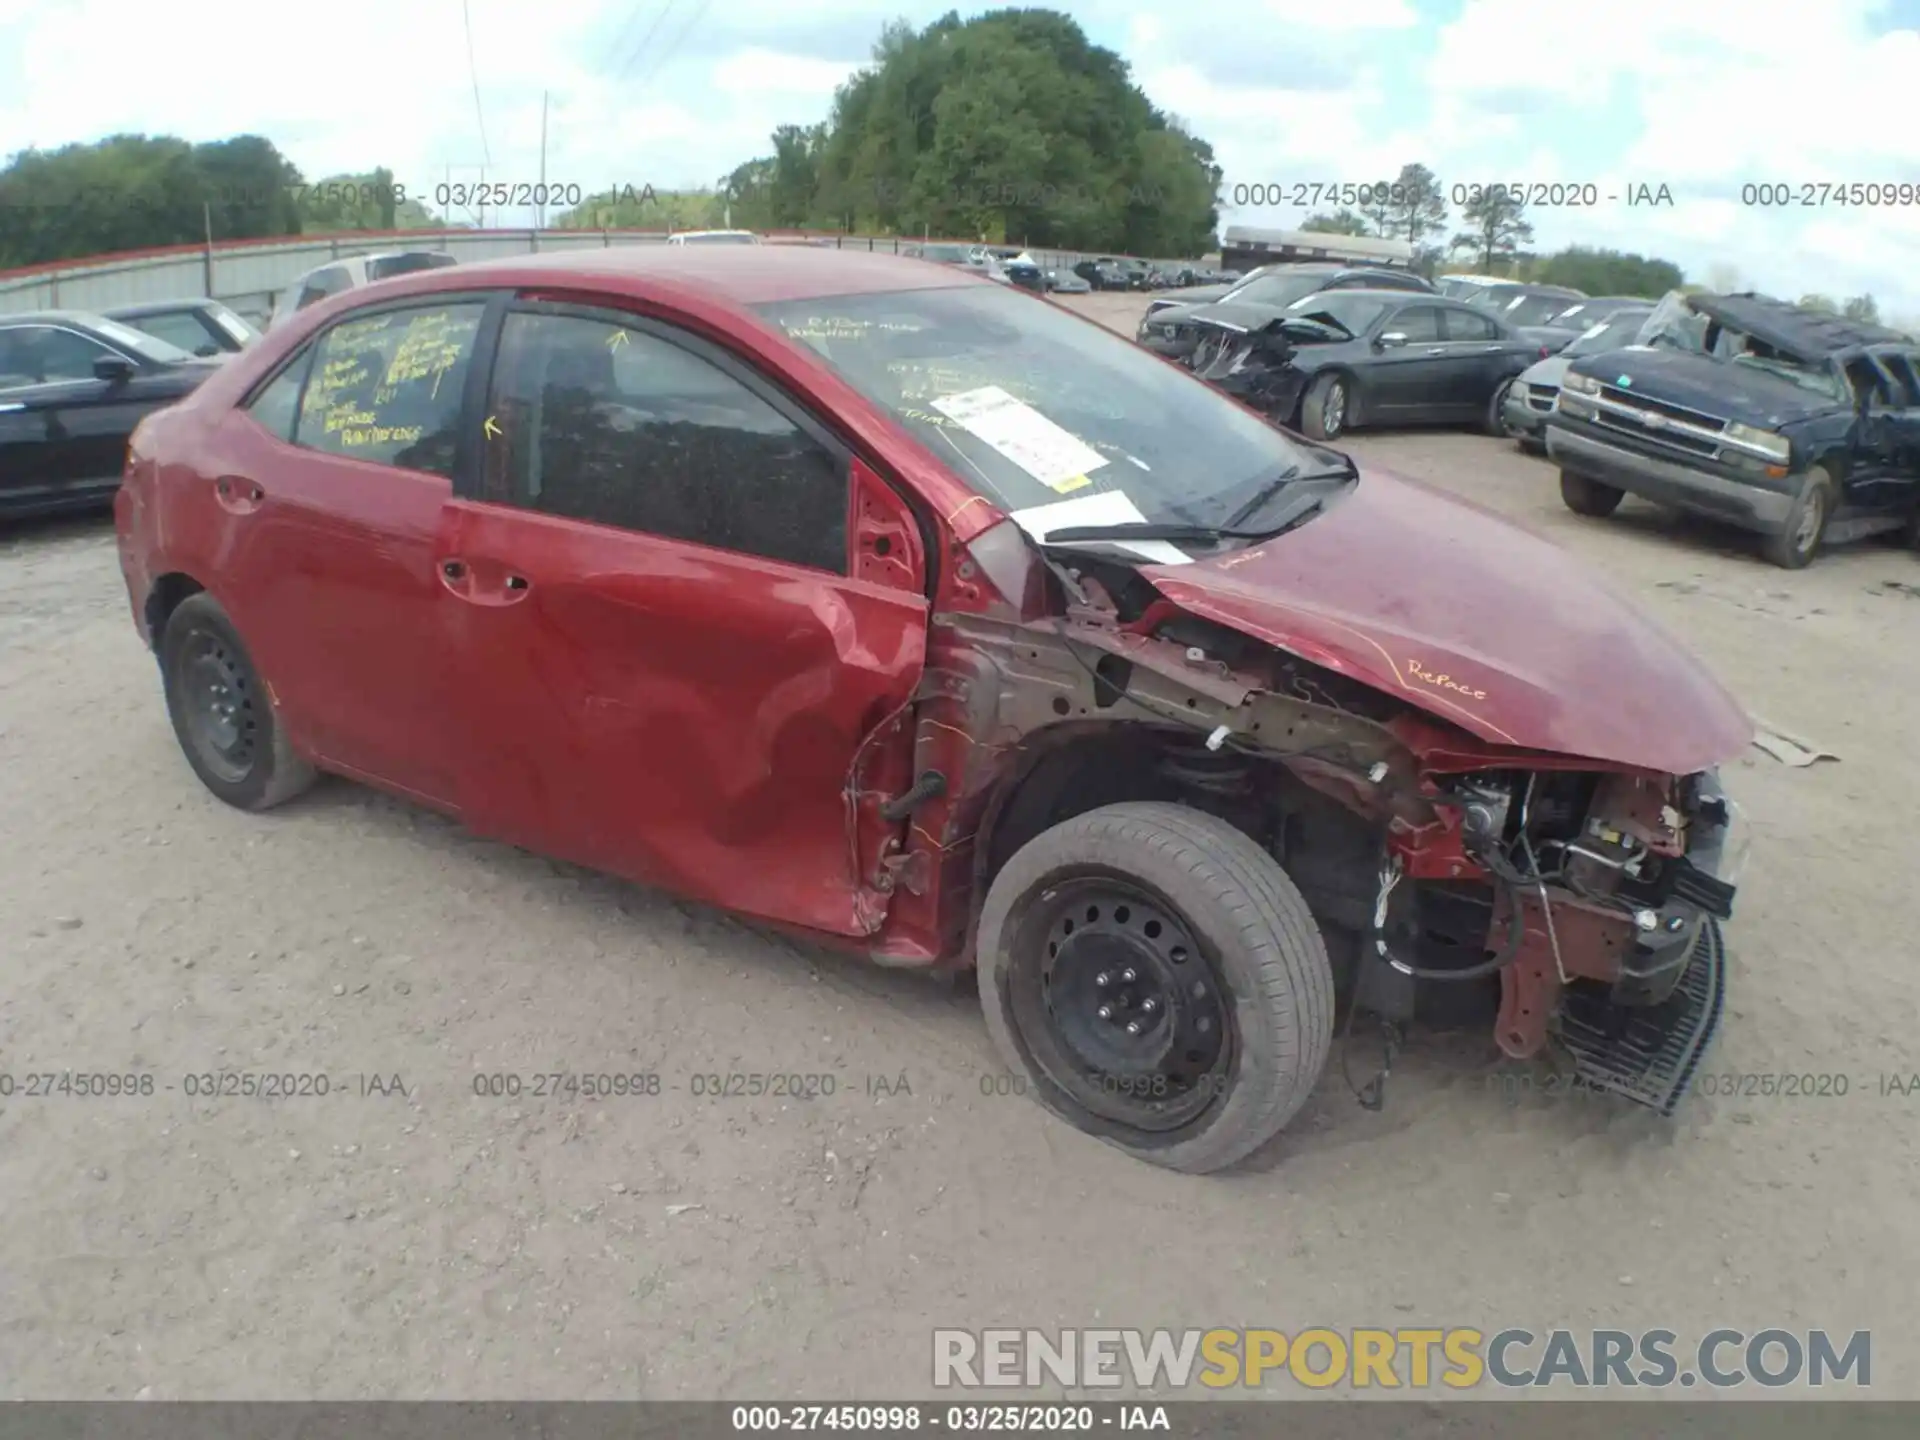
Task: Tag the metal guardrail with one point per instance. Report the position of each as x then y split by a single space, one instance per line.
248 274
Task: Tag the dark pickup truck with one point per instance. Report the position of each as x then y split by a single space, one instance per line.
1793 423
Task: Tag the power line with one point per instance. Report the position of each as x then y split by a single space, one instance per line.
677 41
633 58
473 70
622 41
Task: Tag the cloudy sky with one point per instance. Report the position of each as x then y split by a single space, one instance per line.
1708 96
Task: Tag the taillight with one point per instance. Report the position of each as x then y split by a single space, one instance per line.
1544 352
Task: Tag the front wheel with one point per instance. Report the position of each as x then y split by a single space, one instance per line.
1495 422
1157 981
1323 414
222 712
1586 496
1794 546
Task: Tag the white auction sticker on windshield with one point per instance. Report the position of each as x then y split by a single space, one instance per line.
1109 507
1043 449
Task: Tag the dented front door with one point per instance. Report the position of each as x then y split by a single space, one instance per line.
677 664
679 715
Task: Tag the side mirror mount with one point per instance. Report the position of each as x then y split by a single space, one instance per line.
1392 340
114 369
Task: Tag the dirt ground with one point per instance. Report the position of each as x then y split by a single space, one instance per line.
438 1244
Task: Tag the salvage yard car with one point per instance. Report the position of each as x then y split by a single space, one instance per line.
1339 359
72 387
1789 422
1527 400
339 276
879 602
1173 327
202 327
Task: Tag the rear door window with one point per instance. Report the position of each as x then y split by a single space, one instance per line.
387 387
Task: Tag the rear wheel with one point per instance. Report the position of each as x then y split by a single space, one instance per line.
1153 977
1586 496
1794 546
222 713
1323 414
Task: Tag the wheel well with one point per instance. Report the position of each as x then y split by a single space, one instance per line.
163 599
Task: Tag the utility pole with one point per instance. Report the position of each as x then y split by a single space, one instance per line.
541 224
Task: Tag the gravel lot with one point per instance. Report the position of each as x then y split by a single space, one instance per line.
437 1244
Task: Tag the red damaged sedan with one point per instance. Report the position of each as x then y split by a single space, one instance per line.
907 610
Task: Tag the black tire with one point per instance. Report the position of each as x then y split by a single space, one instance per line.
1794 547
215 694
1325 412
1587 496
1258 962
1495 420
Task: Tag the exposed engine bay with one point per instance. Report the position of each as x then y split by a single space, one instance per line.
1556 899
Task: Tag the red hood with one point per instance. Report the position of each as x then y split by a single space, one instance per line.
1475 620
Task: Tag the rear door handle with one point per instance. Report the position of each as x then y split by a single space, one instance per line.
238 494
1437 350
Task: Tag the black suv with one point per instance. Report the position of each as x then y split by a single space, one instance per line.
1790 422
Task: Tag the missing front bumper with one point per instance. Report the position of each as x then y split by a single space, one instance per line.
1650 1054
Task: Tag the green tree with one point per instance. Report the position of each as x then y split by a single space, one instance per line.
1863 309
641 207
1340 222
1820 302
1496 227
366 200
1010 126
1608 272
1419 210
131 192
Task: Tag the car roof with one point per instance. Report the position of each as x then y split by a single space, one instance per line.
1810 334
158 307
53 317
737 275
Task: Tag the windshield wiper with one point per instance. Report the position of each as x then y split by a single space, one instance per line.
1302 507
1287 477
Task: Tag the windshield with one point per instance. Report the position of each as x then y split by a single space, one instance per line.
1278 291
1354 309
1616 332
141 343
385 267
238 328
1034 405
1532 309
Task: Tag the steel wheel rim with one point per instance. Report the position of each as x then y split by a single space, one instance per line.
1500 408
1336 416
1099 942
217 706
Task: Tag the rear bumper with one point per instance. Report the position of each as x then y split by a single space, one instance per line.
1705 489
